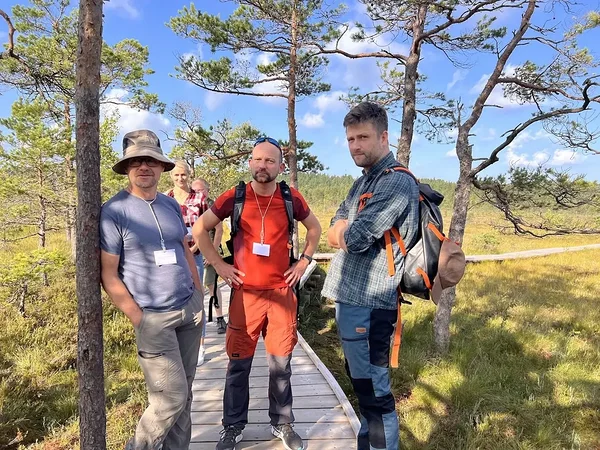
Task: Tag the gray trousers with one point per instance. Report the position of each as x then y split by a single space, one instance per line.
167 344
237 391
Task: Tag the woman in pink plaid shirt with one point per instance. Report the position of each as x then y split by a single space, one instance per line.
193 204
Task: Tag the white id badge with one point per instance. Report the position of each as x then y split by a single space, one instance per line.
189 231
261 249
165 257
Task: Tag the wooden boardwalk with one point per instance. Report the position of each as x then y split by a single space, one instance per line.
324 417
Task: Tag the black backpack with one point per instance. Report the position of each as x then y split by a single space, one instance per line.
421 259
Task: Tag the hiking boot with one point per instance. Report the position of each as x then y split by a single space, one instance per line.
230 435
221 325
290 439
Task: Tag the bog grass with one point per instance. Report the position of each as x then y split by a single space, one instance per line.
523 371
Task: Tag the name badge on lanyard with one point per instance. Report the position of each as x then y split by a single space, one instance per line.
165 257
261 249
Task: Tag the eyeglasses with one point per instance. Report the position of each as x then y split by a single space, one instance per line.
269 140
150 162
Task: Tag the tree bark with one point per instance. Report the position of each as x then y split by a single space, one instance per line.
292 156
90 356
441 322
409 112
467 174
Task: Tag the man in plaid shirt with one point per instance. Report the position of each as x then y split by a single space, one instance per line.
358 280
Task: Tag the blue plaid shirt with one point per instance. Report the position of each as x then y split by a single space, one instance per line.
360 276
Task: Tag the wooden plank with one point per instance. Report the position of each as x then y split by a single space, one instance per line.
337 390
219 372
259 432
316 415
275 444
313 379
221 362
321 401
216 350
262 392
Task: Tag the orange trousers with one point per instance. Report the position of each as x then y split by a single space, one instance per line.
270 312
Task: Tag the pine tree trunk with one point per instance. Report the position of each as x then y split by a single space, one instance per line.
441 323
292 157
409 109
90 356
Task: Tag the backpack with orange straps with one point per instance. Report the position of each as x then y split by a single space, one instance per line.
422 260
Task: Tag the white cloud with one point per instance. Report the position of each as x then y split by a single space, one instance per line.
562 157
132 118
525 160
212 100
458 75
329 101
381 42
361 72
198 54
125 6
264 58
312 120
526 137
451 153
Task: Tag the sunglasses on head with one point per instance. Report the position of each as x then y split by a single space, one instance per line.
269 140
150 162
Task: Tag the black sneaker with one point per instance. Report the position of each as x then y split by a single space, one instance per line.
290 439
221 325
230 435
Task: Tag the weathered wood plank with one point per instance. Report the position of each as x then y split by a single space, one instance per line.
218 362
259 381
321 401
217 350
306 415
337 390
262 392
219 372
259 432
312 444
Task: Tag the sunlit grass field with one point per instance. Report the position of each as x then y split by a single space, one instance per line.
523 371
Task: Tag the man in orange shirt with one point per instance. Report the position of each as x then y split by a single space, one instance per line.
263 299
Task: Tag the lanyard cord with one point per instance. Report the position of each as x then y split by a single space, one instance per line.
262 216
162 241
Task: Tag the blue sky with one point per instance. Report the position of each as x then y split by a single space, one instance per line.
320 117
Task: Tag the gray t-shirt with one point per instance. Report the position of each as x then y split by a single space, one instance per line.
128 229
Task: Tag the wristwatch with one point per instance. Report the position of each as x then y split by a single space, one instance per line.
308 258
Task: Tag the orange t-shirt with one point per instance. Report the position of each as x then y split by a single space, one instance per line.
262 272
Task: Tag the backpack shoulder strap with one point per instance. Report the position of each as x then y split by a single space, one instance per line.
238 207
286 193
401 169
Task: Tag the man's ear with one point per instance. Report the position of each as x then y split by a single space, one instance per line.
384 139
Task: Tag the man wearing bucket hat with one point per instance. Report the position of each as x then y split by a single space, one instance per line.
150 275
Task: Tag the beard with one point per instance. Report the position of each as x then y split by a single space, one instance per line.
145 183
263 177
